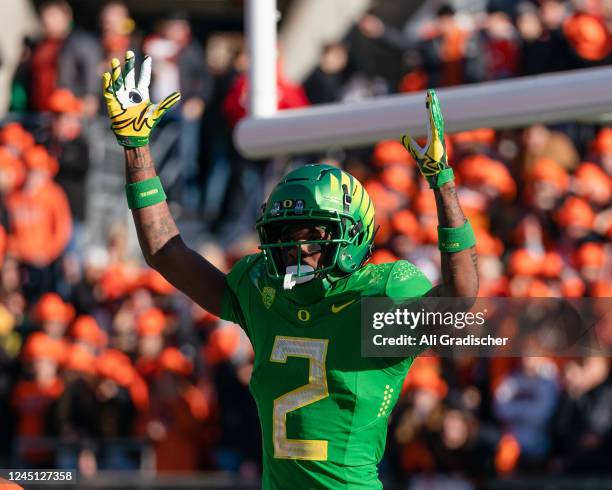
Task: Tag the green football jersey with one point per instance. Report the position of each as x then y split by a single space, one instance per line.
323 407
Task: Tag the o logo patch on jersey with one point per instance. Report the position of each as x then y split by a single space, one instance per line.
303 315
267 296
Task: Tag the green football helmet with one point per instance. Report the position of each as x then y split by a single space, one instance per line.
320 196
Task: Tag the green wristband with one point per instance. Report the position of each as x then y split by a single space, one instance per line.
456 239
132 141
441 178
144 193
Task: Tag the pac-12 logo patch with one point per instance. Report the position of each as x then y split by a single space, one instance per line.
267 296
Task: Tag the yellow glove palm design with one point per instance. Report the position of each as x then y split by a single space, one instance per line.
431 159
132 113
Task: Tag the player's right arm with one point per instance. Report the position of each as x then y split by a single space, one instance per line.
133 116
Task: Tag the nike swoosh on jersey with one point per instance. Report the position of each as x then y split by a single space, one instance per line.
338 309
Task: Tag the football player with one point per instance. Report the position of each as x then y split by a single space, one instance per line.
323 407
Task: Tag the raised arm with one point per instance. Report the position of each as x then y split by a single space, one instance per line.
133 116
456 238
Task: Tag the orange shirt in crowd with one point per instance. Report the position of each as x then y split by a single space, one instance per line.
32 402
2 245
179 449
44 64
41 224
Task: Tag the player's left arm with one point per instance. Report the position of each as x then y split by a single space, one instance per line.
455 235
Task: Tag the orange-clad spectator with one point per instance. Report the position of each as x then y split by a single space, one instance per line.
576 217
290 96
63 101
400 179
178 410
32 399
602 147
500 44
65 57
572 286
593 184
2 245
493 282
150 326
451 41
475 141
489 176
227 342
413 81
382 256
77 412
53 315
602 289
41 345
385 201
114 365
588 36
487 244
117 281
117 30
71 149
552 265
425 210
155 282
523 265
449 51
118 405
80 360
40 221
589 259
12 171
16 138
87 332
425 376
602 144
56 19
389 152
151 322
405 223
548 182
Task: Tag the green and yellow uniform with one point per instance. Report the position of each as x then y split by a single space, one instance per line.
323 408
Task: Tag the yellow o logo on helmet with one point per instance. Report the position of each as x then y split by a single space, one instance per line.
287 203
303 315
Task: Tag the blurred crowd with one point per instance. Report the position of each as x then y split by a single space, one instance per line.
103 365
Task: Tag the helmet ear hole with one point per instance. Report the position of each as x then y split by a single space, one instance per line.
347 258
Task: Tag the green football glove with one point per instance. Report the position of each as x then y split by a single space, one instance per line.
432 159
132 113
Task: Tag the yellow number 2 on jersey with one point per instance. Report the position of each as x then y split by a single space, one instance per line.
315 350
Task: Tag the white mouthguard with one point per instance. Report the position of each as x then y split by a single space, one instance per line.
291 280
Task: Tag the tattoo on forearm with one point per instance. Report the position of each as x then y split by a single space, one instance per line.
459 269
154 224
158 229
474 256
450 213
138 164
